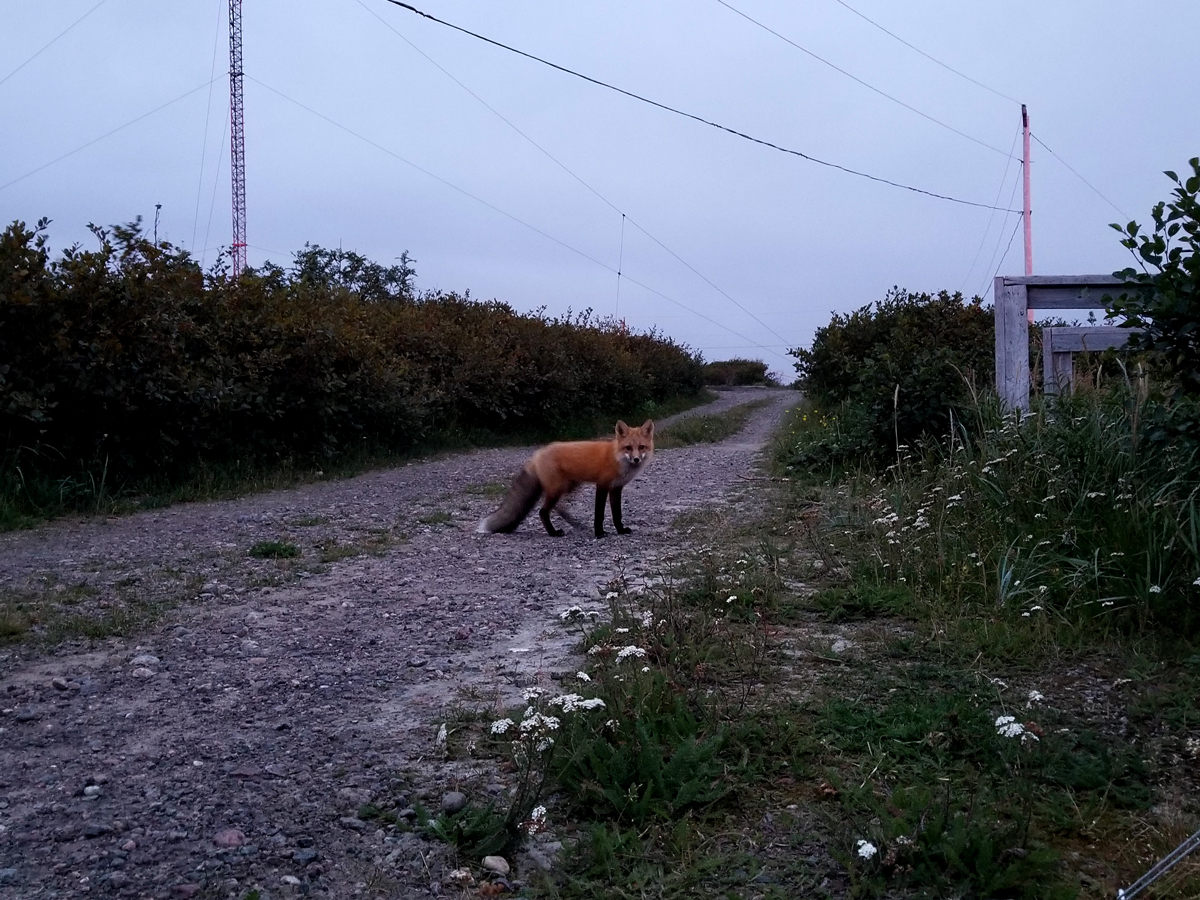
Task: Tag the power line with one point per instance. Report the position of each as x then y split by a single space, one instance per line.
577 177
691 116
1080 177
865 84
926 55
207 115
1000 234
991 215
199 87
497 209
52 40
1000 264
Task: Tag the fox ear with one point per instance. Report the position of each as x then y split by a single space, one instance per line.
648 428
622 429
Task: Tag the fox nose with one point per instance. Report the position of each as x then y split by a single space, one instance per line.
635 460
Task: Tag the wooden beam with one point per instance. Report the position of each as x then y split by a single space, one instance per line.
1012 342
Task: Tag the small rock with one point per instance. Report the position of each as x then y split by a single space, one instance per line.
142 672
841 646
129 846
229 837
417 661
144 659
497 864
118 879
8 876
95 829
28 715
407 813
454 801
353 823
289 879
305 856
59 683
92 791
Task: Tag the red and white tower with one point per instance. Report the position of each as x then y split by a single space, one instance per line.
237 138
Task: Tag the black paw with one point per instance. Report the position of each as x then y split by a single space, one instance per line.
621 529
556 532
600 532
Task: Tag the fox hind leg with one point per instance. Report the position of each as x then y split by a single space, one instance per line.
544 513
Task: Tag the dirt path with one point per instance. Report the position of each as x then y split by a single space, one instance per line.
232 746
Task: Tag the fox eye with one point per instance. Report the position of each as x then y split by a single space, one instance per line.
641 446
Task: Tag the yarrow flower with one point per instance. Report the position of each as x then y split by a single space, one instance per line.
1155 589
631 650
1009 727
500 726
1035 697
866 849
583 676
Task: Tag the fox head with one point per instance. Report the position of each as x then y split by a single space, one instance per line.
635 446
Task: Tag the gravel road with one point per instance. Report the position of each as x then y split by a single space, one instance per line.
230 747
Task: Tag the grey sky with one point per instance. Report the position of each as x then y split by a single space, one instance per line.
1110 88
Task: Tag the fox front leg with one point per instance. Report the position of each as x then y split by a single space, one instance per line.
601 497
614 499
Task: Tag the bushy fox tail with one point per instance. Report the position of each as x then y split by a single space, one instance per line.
521 496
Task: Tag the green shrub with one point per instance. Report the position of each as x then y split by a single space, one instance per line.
904 365
129 362
1164 299
734 372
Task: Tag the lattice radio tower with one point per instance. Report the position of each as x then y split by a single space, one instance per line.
237 138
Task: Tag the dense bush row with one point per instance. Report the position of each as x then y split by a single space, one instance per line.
737 372
131 359
895 371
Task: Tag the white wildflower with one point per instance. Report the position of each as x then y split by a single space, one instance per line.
631 650
866 849
611 595
1155 589
501 726
1009 727
532 693
571 613
583 676
1036 697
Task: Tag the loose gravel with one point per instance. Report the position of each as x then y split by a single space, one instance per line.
238 743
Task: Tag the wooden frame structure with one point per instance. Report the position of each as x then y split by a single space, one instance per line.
1014 296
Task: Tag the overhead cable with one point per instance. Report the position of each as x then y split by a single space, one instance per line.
692 116
52 40
198 87
497 209
1077 175
577 177
865 84
926 55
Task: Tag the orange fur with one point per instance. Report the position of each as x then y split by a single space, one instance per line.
559 468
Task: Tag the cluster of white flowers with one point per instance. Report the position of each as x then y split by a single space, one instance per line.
536 821
1036 697
1009 727
571 702
583 676
501 726
631 651
866 849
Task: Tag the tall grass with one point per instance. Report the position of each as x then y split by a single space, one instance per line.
1064 516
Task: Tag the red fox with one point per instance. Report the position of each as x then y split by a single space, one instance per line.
561 467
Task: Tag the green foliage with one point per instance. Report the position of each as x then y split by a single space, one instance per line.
128 362
1062 518
274 550
737 372
1165 299
898 370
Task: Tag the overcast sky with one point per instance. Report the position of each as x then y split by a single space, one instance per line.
1110 88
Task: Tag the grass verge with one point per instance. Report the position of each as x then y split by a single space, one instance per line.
707 429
